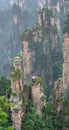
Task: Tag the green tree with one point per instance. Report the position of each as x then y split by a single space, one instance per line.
50 115
65 112
66 26
4 116
5 86
31 120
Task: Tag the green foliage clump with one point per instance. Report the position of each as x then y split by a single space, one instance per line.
66 93
57 60
17 55
16 74
5 121
43 97
27 87
66 26
31 120
5 86
14 94
48 121
52 120
65 112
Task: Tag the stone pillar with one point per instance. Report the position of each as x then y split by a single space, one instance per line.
66 71
58 95
26 57
38 97
16 101
66 62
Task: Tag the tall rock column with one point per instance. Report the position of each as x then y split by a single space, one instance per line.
66 75
26 54
66 62
58 95
38 97
16 97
